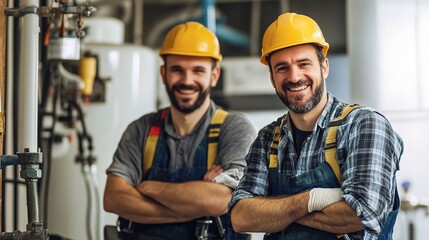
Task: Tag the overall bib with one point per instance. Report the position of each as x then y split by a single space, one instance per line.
281 185
160 171
323 176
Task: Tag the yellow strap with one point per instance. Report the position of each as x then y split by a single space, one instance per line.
152 141
274 161
331 151
214 129
149 152
331 139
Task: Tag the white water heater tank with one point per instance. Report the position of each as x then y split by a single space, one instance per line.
130 93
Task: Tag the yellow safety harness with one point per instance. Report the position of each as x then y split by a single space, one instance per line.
330 143
156 129
331 140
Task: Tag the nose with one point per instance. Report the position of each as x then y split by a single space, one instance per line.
295 74
187 77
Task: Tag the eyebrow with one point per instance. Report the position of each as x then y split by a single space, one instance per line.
305 59
175 67
178 67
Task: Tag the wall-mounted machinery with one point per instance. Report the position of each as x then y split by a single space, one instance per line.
31 159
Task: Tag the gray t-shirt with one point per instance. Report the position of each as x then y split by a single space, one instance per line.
236 136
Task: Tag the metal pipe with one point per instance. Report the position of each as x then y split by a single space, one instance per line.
13 118
209 14
8 139
97 200
284 6
255 26
32 202
7 160
89 207
2 99
138 22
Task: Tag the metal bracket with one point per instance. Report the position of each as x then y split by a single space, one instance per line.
21 11
84 10
47 11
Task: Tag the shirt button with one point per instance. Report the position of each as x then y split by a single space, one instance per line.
181 151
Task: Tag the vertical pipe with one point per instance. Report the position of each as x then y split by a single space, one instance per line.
13 118
28 78
410 230
28 99
138 22
2 84
284 6
32 202
209 14
255 28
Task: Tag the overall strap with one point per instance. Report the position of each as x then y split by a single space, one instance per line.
275 144
331 139
152 140
156 129
214 130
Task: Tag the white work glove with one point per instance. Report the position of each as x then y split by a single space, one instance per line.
323 197
229 178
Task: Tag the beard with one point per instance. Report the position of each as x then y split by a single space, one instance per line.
310 104
202 95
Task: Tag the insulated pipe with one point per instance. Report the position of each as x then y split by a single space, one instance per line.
28 78
28 104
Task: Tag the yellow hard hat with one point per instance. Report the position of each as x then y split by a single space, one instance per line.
291 29
191 39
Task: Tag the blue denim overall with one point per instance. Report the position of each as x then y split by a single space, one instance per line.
322 176
161 172
281 185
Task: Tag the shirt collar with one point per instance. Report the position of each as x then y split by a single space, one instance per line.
324 118
203 123
322 121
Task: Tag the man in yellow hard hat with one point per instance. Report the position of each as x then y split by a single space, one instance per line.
325 169
173 172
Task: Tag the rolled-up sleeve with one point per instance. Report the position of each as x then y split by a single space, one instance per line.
255 179
370 158
236 136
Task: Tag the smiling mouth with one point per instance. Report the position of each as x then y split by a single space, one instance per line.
299 88
186 91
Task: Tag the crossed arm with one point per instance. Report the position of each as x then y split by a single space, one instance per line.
276 214
336 218
163 202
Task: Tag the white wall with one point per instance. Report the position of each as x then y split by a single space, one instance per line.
387 46
414 129
388 52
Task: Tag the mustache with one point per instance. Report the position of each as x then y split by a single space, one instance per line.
181 86
300 83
